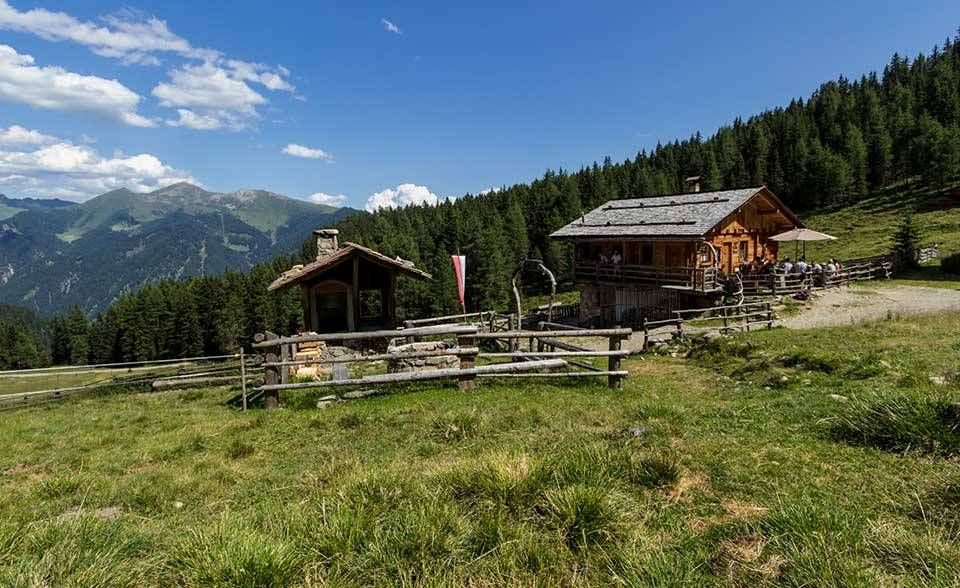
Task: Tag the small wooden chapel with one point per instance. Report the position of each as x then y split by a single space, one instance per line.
348 287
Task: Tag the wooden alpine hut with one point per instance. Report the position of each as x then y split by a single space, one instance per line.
348 287
646 256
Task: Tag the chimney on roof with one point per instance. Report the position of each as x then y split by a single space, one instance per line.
326 242
693 183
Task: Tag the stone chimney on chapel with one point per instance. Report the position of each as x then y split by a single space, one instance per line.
326 242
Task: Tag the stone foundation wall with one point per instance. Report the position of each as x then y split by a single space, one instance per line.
316 351
422 364
589 301
320 351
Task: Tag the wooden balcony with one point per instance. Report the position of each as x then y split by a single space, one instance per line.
677 278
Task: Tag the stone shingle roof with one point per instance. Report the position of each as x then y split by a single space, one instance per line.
680 216
346 251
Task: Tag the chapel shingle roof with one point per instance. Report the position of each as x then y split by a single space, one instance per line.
347 250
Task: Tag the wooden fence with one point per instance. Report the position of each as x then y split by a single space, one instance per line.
31 387
930 253
486 320
723 319
779 284
542 354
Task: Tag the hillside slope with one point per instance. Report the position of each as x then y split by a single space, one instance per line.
55 257
867 228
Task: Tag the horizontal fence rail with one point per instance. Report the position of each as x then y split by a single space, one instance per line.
546 354
20 388
723 319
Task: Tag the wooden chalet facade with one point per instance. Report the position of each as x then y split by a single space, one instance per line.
348 287
646 256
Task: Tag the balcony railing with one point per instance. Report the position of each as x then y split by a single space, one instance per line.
695 279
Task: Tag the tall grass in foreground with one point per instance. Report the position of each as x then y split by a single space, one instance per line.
902 421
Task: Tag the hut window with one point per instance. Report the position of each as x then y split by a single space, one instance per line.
744 256
371 303
646 254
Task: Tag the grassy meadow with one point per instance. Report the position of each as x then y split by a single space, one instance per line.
867 228
772 458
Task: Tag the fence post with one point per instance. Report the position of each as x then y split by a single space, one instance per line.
613 362
271 374
467 382
286 354
243 379
646 334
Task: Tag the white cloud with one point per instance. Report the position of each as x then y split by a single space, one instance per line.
212 94
17 179
307 152
215 90
17 135
389 26
488 191
78 171
55 88
327 199
402 195
272 79
192 120
129 36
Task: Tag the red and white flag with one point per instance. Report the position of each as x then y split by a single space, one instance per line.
460 267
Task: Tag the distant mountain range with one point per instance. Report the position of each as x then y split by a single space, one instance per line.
56 254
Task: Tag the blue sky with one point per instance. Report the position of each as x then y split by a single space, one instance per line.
402 102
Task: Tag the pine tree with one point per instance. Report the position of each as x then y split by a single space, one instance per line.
78 333
856 154
906 242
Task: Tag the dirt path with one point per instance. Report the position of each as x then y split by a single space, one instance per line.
844 306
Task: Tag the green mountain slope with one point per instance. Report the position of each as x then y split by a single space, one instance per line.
867 227
11 206
87 254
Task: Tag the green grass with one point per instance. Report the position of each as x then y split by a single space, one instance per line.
867 228
725 468
67 377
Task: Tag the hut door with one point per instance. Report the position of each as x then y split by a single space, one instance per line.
331 308
728 257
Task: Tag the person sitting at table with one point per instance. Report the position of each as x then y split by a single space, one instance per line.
786 266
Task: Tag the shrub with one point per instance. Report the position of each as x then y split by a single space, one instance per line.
901 422
951 264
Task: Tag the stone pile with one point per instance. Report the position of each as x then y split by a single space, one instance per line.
421 364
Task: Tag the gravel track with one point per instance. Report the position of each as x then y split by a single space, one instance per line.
844 306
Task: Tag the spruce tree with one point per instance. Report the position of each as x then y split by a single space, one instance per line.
906 242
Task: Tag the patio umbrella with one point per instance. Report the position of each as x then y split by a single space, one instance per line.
797 235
